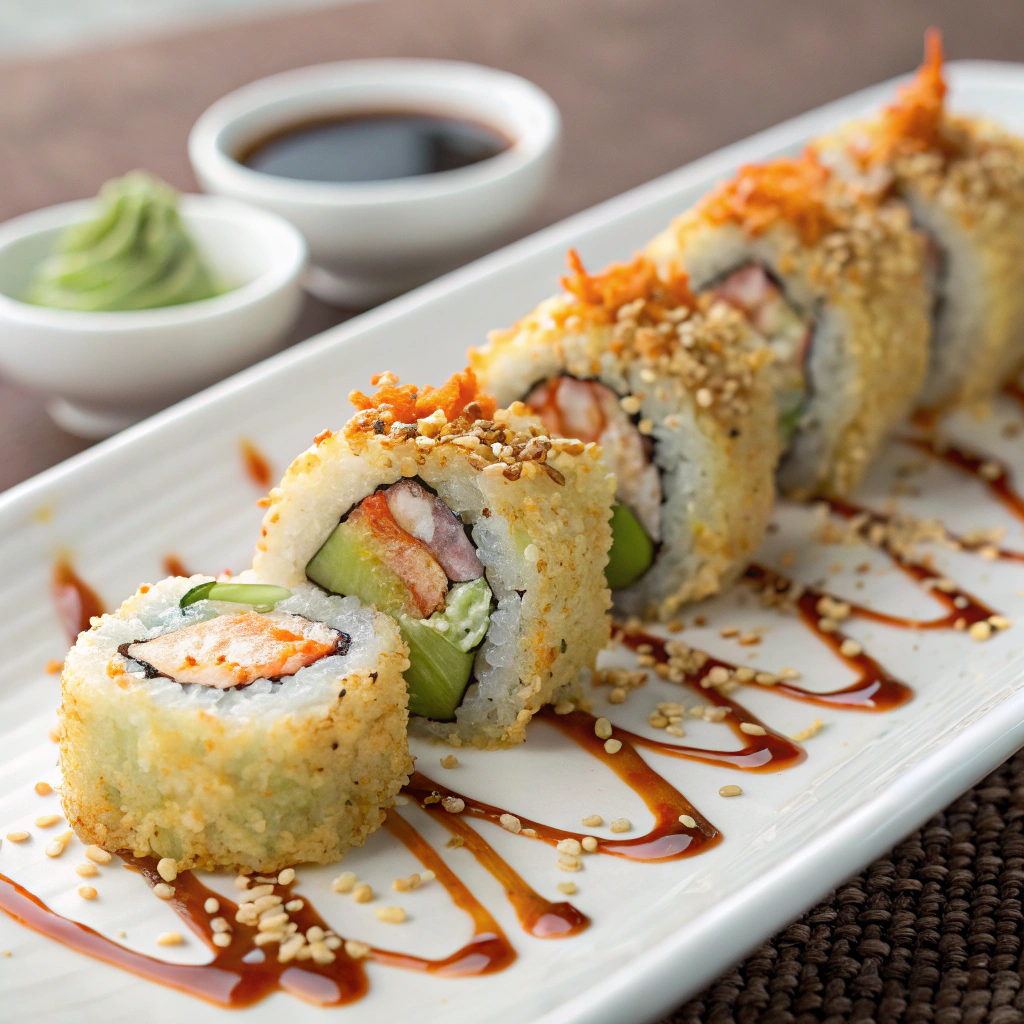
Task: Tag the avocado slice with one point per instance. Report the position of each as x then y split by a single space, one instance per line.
631 553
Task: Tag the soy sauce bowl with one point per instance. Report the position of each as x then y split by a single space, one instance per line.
371 240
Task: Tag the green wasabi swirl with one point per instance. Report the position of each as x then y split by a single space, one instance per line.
135 254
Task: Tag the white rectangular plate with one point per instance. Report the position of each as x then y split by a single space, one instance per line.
175 484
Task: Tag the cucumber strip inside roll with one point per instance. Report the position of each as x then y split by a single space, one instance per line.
262 595
403 550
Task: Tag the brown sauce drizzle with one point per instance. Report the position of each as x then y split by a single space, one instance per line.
76 602
174 566
256 465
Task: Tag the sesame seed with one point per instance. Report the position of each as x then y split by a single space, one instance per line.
294 906
390 915
265 903
749 640
450 761
602 728
362 893
674 730
687 820
273 923
730 791
612 746
630 404
355 949
567 863
980 631
345 882
55 848
163 891
220 924
290 948
86 870
98 855
17 837
241 882
621 825
87 892
618 695
751 729
257 892
167 869
765 678
222 939
315 933
789 673
47 820
43 788
169 939
812 730
510 823
569 888
589 844
286 877
453 804
211 906
999 622
850 648
570 846
565 707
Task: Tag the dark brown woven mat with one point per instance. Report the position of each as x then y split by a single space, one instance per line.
932 932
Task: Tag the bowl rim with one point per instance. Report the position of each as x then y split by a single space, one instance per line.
289 257
211 159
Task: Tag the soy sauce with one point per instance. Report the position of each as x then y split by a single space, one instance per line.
373 146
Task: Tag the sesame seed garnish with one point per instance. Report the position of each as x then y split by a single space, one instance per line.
413 881
510 823
56 847
222 939
293 906
980 631
98 855
211 906
593 820
765 678
355 949
286 877
241 882
169 939
531 832
673 730
570 846
812 730
453 804
621 825
849 648
17 837
390 915
730 791
568 863
612 746
749 640
362 893
449 761
589 844
789 673
565 707
87 892
687 820
345 882
47 820
602 728
999 622
43 788
163 891
569 888
751 729
86 870
167 869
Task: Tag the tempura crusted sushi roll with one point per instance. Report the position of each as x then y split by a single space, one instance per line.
963 179
835 282
250 728
675 391
485 539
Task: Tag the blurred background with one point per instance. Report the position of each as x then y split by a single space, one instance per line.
94 88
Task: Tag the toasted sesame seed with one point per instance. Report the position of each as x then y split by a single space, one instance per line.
167 869
602 728
17 837
315 933
293 906
345 882
630 404
87 892
812 730
453 804
220 924
356 949
999 622
765 678
730 791
450 761
86 870
286 877
273 923
849 648
47 820
390 915
510 823
568 863
751 729
570 846
593 820
55 848
675 730
163 891
621 825
565 707
43 788
290 948
98 855
265 903
257 892
612 746
589 844
729 631
362 893
789 673
169 939
980 631
569 888
241 882
222 939
687 820
749 640
211 906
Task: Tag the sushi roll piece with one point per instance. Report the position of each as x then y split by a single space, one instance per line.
963 179
835 283
676 391
482 537
233 725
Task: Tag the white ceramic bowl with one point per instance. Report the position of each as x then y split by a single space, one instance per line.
105 371
372 240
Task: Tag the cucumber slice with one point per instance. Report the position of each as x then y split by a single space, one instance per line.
262 595
631 553
345 564
438 671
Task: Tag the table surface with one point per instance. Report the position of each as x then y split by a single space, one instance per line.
644 86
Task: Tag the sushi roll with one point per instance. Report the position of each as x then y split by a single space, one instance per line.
233 725
835 283
675 390
963 179
483 538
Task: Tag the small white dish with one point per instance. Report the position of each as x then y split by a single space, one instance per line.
372 240
105 371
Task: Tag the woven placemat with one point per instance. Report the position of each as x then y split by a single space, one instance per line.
932 932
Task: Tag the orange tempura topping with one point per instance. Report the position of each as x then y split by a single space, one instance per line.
789 189
407 403
622 283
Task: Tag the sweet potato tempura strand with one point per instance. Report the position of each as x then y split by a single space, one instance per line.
406 403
